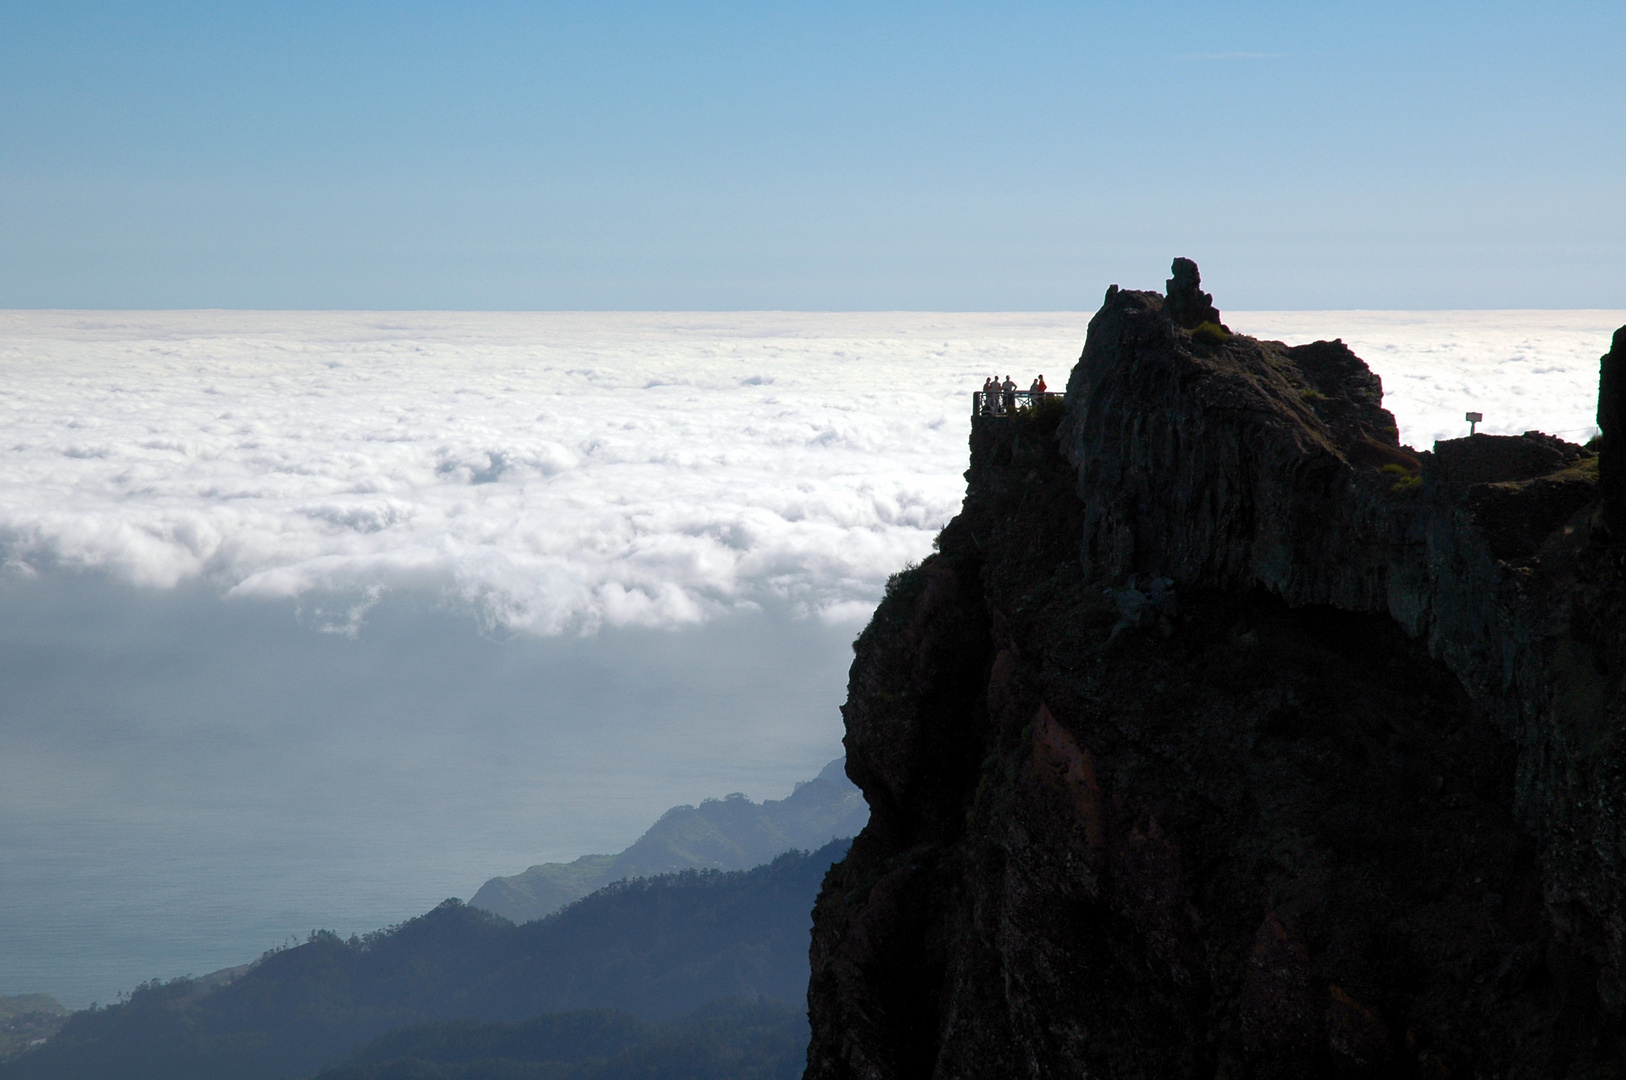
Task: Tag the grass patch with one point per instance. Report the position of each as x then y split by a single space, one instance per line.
1407 481
1044 414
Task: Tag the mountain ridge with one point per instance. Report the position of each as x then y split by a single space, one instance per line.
731 833
654 947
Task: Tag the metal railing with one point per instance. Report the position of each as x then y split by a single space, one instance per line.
1007 402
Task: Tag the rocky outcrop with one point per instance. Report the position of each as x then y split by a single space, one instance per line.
1229 462
1226 736
1187 304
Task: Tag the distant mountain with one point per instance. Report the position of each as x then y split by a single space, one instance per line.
726 1040
719 834
657 947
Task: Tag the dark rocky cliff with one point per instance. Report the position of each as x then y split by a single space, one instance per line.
1224 736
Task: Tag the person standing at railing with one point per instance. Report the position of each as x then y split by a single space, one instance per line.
1037 389
1008 390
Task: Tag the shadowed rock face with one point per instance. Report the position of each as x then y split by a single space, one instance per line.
1612 420
1226 460
1226 736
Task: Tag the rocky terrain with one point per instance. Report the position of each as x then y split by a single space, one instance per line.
1225 736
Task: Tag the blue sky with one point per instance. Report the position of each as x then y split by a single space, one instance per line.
828 156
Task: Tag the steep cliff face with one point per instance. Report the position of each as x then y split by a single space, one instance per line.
1225 736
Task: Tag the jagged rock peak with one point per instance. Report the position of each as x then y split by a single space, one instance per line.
1186 302
1217 459
1225 736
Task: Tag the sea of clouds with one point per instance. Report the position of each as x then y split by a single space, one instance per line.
559 472
314 619
563 472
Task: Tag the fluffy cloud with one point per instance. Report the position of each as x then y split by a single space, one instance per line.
558 471
562 472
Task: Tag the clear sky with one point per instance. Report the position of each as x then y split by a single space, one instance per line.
814 156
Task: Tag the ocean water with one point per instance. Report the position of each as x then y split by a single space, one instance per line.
314 619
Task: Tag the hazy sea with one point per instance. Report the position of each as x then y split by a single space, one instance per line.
312 619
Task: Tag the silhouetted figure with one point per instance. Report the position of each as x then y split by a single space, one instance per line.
1037 388
1009 390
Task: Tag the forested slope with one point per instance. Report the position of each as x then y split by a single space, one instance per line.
658 948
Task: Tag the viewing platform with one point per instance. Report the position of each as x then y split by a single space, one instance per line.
1008 402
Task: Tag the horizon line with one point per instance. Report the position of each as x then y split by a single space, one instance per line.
749 311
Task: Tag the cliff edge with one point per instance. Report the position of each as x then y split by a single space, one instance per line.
1225 736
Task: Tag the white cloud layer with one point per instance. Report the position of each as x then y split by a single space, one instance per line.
562 472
